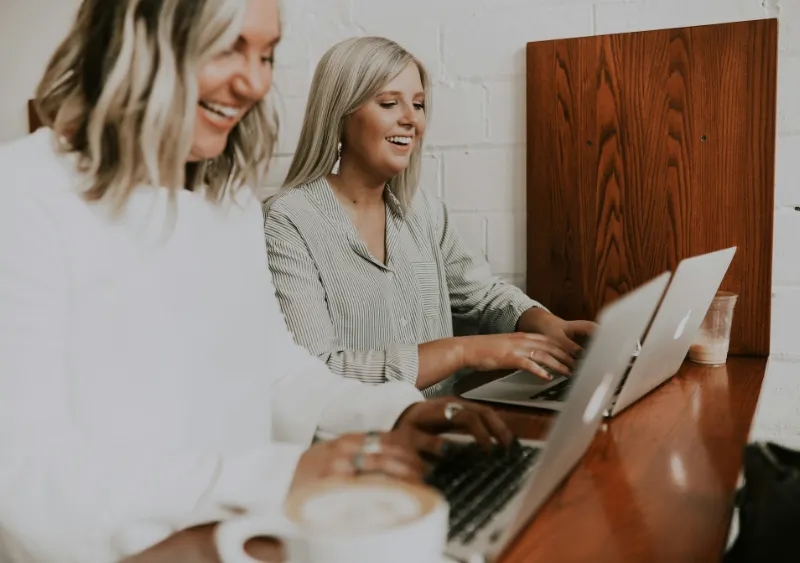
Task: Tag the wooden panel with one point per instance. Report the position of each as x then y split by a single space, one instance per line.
33 117
647 148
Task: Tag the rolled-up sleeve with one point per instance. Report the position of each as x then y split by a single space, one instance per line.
302 299
476 296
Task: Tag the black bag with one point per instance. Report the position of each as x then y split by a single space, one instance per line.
769 507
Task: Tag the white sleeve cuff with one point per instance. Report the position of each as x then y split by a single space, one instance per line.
379 408
257 478
260 477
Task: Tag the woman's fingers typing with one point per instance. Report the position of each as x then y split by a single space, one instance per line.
552 348
497 428
472 422
572 348
532 352
446 414
538 354
483 424
545 360
427 444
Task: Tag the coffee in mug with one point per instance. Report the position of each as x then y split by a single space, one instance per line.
365 519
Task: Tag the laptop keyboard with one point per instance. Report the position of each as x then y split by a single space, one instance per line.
477 484
558 392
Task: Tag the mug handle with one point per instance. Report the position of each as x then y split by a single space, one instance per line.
230 536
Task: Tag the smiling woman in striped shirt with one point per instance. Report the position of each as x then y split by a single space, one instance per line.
369 271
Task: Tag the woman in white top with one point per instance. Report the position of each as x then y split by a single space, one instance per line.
370 271
147 379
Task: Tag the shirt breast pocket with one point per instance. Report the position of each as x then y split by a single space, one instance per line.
426 275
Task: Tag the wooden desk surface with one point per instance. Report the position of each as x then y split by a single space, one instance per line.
656 485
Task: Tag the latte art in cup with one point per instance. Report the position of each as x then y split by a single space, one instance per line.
364 519
363 504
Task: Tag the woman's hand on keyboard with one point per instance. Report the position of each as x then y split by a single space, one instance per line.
400 456
571 336
439 415
518 350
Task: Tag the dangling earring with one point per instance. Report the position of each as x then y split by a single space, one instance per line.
338 159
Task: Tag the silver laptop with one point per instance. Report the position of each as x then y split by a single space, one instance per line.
491 503
672 331
675 325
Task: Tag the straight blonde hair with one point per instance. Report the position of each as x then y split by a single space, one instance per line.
350 74
121 89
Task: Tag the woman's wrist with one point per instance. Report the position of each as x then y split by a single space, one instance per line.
463 346
534 320
442 358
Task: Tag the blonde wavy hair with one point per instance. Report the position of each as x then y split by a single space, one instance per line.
121 89
350 74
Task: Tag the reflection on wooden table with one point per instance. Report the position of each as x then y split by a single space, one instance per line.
658 480
655 485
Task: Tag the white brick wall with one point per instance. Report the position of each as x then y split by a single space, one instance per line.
474 50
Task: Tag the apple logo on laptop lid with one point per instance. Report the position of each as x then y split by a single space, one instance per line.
598 401
682 325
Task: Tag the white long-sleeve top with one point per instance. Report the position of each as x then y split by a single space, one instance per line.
147 379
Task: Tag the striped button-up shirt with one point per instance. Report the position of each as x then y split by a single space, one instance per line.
363 318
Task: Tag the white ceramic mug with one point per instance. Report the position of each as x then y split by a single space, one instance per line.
365 519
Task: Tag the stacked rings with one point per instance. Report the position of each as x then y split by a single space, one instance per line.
372 444
358 463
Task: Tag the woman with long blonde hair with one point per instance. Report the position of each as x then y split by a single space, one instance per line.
147 379
369 270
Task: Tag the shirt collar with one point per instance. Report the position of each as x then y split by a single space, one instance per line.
322 195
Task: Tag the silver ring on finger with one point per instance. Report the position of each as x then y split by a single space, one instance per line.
452 409
358 462
372 444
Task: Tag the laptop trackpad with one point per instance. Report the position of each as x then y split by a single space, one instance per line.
522 377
